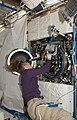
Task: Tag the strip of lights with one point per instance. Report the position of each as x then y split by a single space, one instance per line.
52 2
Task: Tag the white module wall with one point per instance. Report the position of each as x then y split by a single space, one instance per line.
38 27
55 92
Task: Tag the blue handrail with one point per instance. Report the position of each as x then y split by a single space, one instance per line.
3 5
75 62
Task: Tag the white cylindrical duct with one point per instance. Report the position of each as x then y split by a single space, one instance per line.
20 55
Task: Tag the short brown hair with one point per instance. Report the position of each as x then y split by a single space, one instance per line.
15 66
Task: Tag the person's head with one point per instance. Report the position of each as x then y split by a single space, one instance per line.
18 66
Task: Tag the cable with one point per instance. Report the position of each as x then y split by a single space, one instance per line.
65 94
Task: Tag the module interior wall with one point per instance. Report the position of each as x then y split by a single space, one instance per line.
38 27
55 92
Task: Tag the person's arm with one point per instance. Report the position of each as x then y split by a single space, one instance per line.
41 70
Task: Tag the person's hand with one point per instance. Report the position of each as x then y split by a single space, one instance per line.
48 56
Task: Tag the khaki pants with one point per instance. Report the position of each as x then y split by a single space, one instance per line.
38 110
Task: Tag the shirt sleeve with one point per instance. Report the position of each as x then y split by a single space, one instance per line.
41 70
